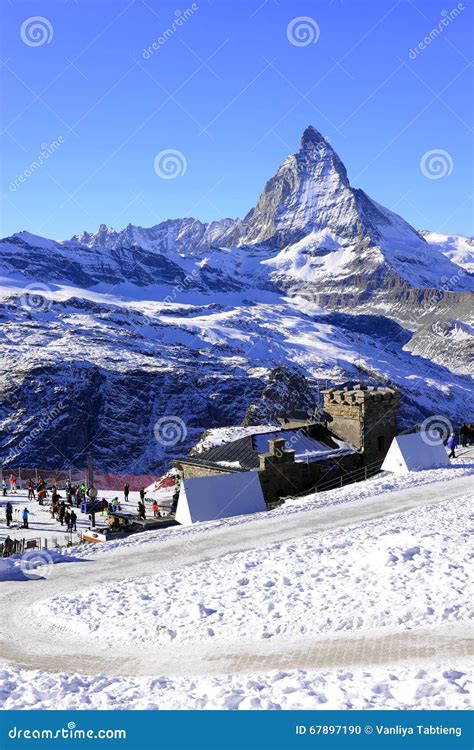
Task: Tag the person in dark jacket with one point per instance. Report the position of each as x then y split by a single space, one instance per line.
452 443
31 489
126 492
142 494
62 512
141 510
8 547
9 513
72 521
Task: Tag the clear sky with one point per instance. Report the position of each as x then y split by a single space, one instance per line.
231 86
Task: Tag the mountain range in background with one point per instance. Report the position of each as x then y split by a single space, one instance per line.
106 334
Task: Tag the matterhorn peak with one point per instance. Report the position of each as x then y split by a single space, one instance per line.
309 192
312 137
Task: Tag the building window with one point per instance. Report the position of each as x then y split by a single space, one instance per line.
381 443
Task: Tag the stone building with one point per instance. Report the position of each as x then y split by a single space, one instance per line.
288 460
356 430
365 416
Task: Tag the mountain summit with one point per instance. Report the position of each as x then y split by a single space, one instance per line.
108 332
310 229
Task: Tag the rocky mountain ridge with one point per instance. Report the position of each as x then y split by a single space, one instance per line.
189 320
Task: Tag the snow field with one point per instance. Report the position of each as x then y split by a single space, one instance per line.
442 686
410 570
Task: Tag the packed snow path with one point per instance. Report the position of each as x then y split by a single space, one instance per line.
25 642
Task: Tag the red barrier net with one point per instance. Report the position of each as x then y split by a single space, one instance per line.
102 480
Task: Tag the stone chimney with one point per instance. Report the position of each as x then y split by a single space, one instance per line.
365 416
277 453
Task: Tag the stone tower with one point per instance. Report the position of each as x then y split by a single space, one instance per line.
365 416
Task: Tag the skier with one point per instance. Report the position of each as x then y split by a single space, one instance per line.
126 492
9 512
141 510
142 494
72 521
4 488
67 518
452 443
12 480
41 496
62 512
156 510
26 513
68 491
31 490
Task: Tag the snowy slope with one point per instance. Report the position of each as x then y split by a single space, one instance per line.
378 619
456 247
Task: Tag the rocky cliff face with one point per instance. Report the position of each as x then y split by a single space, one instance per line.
109 334
287 394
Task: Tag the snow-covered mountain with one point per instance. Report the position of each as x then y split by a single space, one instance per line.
120 328
457 248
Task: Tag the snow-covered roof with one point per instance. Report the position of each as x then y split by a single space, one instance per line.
221 435
239 448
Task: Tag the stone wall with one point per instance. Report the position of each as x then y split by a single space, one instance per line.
365 416
286 479
190 471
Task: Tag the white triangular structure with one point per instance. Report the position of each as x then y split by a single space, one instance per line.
219 496
416 452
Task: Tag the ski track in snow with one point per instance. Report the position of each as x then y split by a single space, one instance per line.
407 533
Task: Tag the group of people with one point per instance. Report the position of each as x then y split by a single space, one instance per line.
11 483
141 507
65 514
63 509
9 515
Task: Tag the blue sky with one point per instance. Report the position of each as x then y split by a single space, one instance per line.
231 91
